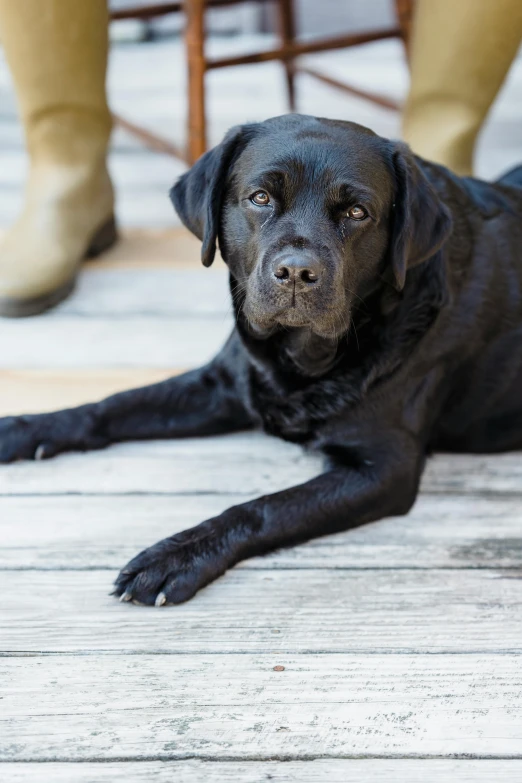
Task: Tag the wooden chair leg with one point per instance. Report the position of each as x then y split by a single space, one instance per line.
196 67
286 17
404 11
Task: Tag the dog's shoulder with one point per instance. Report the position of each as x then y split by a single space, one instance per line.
483 199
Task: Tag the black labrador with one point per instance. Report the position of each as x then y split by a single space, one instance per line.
378 301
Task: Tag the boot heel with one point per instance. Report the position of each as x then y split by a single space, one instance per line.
103 239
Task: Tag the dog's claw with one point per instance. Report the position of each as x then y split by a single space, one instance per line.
161 599
40 452
124 597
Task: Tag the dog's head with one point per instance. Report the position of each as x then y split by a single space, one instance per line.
311 215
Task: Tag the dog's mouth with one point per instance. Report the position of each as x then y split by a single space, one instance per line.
292 317
325 322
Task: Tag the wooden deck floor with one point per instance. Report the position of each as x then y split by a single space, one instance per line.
400 643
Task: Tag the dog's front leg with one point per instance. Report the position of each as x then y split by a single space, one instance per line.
346 496
201 402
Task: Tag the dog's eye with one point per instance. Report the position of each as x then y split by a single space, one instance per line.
260 198
357 212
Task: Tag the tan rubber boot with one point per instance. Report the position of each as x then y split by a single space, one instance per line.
460 53
57 52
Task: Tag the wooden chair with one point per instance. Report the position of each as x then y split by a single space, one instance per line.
288 53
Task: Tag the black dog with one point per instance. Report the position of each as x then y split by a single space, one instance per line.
379 317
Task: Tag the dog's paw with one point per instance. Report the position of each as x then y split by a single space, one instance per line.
45 435
21 438
174 569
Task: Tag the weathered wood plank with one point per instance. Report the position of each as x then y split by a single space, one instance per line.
172 248
245 462
68 532
141 341
327 705
313 771
113 293
39 391
487 473
287 610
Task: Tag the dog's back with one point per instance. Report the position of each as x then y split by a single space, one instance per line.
513 178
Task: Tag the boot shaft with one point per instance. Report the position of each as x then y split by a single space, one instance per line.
57 53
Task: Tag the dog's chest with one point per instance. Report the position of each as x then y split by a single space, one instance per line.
298 414
287 421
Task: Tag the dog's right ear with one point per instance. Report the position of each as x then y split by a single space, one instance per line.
198 194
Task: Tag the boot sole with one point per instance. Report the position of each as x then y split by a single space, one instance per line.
102 240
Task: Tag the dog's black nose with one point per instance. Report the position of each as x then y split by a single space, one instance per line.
298 271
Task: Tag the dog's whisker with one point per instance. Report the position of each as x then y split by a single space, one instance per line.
356 336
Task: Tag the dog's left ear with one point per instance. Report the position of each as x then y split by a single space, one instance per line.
421 222
198 194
